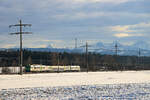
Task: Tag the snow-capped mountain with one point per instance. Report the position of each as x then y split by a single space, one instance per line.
139 47
134 49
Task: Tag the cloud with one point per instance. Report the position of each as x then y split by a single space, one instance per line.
79 15
141 25
102 1
8 46
56 22
120 28
135 28
83 15
122 35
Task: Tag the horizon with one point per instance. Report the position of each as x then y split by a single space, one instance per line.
106 44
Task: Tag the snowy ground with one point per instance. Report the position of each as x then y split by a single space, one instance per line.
69 79
86 92
76 86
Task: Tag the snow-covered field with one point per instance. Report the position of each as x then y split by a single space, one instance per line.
85 92
76 86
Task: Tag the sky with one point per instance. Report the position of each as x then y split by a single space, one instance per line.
59 22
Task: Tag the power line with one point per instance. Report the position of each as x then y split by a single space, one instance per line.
21 32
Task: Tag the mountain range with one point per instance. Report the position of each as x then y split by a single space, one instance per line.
140 48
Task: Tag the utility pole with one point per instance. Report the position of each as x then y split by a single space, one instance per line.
86 56
87 67
58 62
21 32
75 43
116 49
139 54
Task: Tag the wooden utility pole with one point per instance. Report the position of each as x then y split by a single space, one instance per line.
21 32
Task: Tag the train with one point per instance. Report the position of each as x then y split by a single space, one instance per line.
46 68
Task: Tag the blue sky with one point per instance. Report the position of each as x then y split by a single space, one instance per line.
59 22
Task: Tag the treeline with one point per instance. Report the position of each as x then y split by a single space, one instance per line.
96 61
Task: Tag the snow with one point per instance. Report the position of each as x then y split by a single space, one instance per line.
83 92
126 85
73 79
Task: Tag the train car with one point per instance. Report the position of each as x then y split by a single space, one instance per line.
75 68
44 68
67 68
37 68
54 68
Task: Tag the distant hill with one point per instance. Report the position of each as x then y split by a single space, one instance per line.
100 47
109 48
